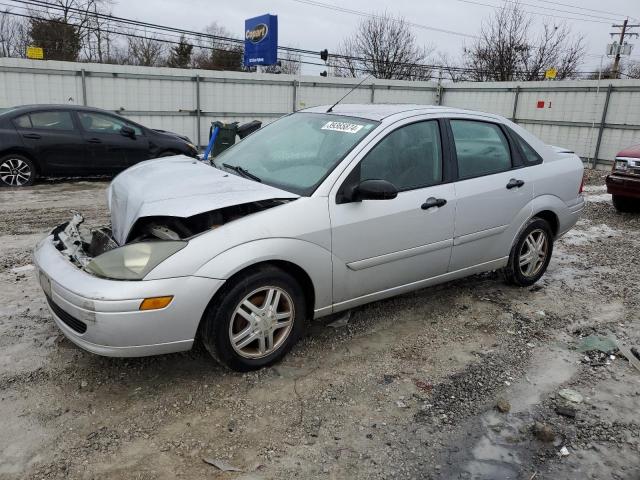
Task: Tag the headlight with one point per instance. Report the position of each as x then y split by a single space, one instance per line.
133 262
622 165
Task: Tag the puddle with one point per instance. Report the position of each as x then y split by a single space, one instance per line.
500 444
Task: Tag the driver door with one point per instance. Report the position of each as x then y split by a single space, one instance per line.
381 247
108 150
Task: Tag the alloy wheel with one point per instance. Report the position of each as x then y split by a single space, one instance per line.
533 253
15 172
261 322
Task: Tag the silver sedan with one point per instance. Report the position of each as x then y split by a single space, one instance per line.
318 212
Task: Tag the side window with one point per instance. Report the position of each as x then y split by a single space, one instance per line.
481 148
22 122
53 120
410 157
531 157
100 123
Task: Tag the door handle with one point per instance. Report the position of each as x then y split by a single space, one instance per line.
513 183
94 140
34 136
433 202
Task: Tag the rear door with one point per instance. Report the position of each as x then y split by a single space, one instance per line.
380 245
493 191
54 139
108 149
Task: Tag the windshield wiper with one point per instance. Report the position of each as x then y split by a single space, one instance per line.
242 171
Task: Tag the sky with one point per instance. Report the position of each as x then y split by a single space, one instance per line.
315 28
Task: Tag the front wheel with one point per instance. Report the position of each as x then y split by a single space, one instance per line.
255 320
531 253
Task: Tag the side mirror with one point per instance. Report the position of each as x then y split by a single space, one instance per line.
128 132
375 190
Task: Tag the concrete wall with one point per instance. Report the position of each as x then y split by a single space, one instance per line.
186 101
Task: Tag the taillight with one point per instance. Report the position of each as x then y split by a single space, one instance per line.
581 185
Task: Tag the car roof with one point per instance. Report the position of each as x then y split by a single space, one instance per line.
41 106
381 111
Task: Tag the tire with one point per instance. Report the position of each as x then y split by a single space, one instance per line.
17 171
228 314
522 273
625 204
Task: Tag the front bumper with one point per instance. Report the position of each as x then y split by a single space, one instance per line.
623 185
109 309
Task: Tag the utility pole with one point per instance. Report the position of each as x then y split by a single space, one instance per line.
621 48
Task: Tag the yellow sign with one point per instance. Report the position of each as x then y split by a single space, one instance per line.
35 53
551 74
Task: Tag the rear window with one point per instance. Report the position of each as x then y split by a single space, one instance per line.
531 157
52 120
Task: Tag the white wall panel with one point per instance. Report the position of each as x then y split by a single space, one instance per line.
167 98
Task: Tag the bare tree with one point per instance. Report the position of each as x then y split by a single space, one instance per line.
632 69
86 16
289 64
14 35
214 53
508 50
383 46
451 69
145 51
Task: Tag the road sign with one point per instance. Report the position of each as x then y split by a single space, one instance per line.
35 52
551 74
261 40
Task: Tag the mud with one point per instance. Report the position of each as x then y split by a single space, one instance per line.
407 389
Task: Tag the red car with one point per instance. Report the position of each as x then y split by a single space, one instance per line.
624 181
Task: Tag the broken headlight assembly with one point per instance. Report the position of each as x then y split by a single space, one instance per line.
133 261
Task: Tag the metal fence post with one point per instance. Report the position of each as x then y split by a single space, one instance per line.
515 104
198 134
84 87
295 95
601 127
373 93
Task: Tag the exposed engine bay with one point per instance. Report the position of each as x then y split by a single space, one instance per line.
80 244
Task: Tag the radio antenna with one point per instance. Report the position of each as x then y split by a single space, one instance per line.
349 92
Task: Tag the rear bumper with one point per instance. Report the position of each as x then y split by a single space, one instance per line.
623 185
103 316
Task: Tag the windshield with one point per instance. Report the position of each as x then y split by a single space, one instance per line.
296 152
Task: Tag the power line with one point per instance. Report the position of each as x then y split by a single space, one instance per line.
302 52
372 15
587 9
472 2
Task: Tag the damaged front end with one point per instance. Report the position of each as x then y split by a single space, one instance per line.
81 244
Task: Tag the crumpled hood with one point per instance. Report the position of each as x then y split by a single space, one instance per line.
178 187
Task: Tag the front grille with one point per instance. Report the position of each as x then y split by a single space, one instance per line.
69 320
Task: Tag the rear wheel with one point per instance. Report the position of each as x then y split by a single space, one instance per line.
626 204
16 171
255 320
531 253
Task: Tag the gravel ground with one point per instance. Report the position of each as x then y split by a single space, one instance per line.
456 381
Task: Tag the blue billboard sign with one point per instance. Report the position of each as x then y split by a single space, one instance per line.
261 40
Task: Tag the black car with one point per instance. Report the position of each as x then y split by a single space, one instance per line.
68 140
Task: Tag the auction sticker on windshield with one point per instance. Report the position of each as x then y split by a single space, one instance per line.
342 127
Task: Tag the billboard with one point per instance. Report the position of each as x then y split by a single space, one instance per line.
261 40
